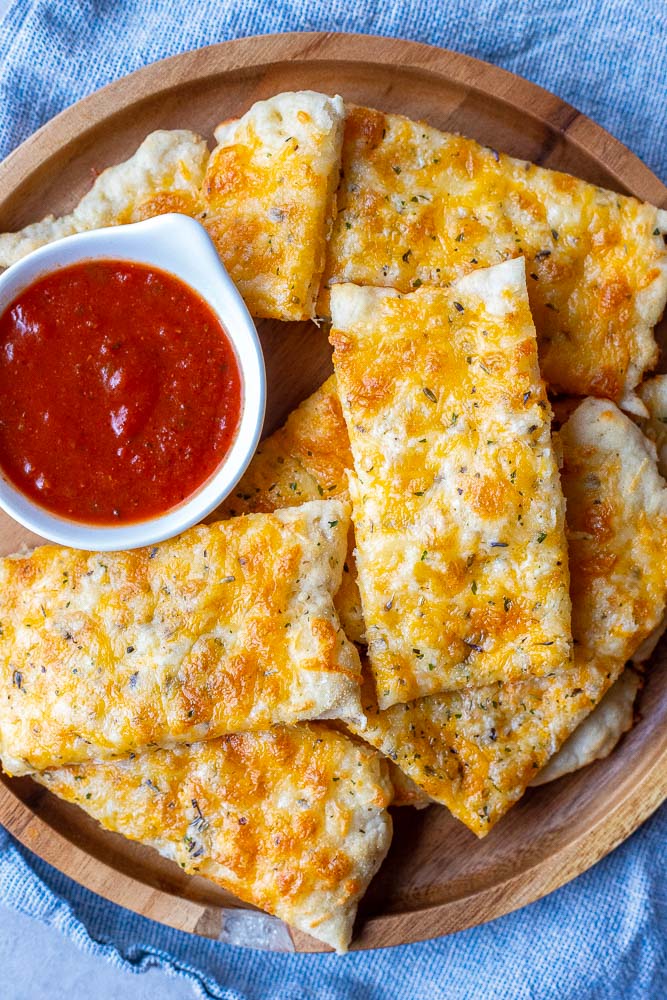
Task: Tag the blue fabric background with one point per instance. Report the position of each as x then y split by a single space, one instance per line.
602 936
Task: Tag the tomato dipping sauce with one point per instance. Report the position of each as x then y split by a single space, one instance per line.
120 393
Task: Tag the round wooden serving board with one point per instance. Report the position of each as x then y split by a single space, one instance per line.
438 878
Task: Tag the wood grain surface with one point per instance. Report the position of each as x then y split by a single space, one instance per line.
438 877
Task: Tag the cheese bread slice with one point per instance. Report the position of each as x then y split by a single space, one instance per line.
477 750
164 175
594 739
457 505
228 627
292 820
600 731
617 531
268 199
419 206
306 459
653 394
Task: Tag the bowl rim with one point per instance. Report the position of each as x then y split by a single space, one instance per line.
179 246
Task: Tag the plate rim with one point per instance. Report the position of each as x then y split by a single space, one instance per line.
641 800
510 88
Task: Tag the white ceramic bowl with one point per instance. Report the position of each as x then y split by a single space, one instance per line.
180 246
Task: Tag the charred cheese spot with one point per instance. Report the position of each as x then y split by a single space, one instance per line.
613 294
597 521
184 202
226 175
365 125
486 496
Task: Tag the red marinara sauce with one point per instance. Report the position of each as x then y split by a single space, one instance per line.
120 392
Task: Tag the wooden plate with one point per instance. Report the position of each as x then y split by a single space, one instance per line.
438 877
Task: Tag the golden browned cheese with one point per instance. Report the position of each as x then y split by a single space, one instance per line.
267 196
475 751
268 199
228 627
421 206
457 506
599 733
164 175
306 459
617 531
292 820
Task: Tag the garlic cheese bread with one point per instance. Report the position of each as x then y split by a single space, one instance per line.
164 175
419 206
306 459
309 456
268 199
617 531
476 750
292 820
457 505
599 733
266 195
228 627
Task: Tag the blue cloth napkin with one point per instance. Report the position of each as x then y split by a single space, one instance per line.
602 936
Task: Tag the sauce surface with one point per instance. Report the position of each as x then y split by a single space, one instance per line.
120 392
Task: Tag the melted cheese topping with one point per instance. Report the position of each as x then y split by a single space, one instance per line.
266 195
406 792
293 820
421 206
457 506
228 627
306 459
164 175
600 731
475 751
617 531
315 436
269 199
